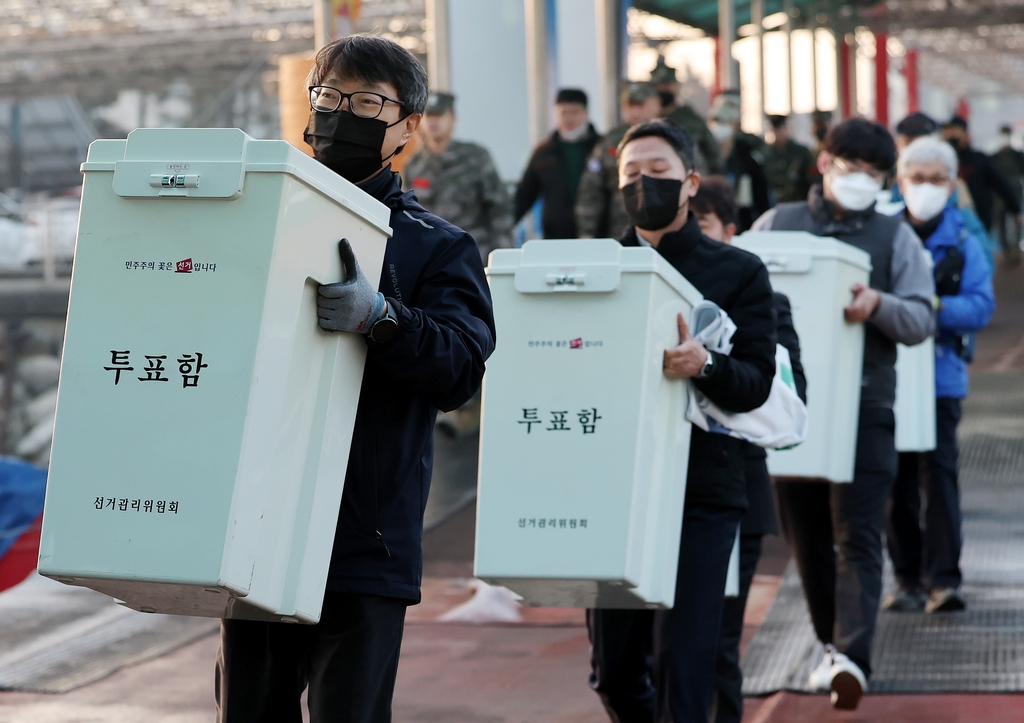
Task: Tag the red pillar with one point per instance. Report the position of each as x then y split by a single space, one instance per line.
913 82
881 79
846 92
963 109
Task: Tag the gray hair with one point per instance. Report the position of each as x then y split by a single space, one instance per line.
928 149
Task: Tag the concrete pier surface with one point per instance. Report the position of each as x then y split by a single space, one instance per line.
534 671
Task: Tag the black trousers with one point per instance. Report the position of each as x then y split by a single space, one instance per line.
349 661
660 665
928 558
835 534
728 676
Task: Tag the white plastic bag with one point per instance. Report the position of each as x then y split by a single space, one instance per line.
780 422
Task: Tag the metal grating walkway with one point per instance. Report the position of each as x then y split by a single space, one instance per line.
980 650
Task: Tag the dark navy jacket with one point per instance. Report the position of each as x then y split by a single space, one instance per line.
435 280
738 282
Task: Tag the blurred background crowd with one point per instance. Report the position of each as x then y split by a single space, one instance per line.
531 99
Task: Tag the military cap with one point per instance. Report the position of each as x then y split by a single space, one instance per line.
439 103
662 73
639 91
726 107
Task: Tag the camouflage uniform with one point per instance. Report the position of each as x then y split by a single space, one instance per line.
707 155
709 158
790 170
462 186
600 211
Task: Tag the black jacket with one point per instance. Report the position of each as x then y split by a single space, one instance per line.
435 280
760 518
546 177
738 282
985 183
747 160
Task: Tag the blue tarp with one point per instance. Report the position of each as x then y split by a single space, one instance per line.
22 489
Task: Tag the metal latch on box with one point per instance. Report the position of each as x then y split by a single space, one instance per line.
190 180
798 263
567 282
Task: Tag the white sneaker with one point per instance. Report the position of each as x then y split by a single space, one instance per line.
820 679
848 683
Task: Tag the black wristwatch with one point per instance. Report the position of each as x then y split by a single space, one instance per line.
386 327
709 364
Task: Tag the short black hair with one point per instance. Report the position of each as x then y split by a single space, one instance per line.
373 59
916 125
672 134
571 95
956 122
715 195
1008 130
778 121
858 139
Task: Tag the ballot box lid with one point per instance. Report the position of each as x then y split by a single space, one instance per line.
595 265
795 251
213 163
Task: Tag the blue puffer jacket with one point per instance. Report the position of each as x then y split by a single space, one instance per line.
968 311
895 204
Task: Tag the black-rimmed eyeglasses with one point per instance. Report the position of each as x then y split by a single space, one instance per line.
364 104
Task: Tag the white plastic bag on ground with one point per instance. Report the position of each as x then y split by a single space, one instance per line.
489 604
778 423
41 407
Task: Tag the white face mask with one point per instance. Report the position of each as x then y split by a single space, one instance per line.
925 201
575 134
721 131
854 191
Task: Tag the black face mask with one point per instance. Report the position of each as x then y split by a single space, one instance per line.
347 144
652 203
666 98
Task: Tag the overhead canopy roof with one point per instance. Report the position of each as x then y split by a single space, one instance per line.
967 46
93 48
703 14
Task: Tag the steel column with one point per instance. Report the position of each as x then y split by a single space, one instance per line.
728 75
538 66
439 64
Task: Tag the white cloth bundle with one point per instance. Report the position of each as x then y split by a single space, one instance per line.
779 423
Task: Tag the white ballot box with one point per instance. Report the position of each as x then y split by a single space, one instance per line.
915 397
583 443
203 418
816 274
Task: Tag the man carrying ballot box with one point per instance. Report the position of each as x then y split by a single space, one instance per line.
835 530
428 331
657 178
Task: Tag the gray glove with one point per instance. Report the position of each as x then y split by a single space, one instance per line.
351 305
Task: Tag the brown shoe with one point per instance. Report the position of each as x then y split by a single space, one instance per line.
945 600
905 600
848 684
